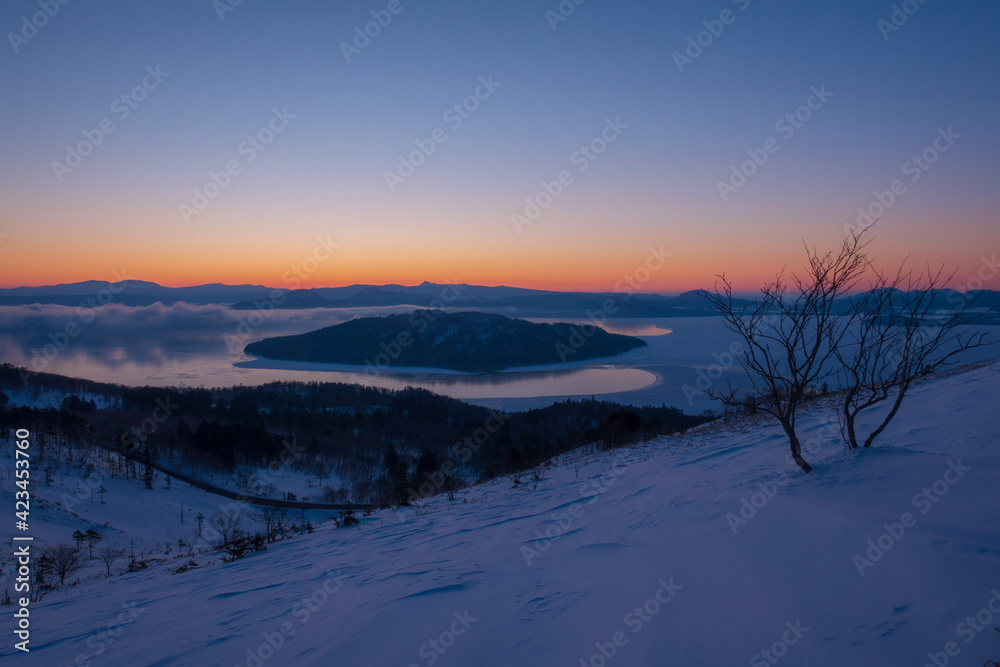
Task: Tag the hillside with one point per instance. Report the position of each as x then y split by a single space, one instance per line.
472 342
332 439
637 546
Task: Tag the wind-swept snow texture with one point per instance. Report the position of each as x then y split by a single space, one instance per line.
704 549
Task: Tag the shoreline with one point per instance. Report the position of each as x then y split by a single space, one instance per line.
263 363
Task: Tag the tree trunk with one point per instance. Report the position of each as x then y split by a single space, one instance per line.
852 438
901 392
793 441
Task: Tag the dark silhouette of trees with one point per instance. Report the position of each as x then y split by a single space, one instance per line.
92 537
111 555
906 326
395 486
147 465
467 341
63 559
233 538
804 330
348 431
790 333
228 526
79 537
277 521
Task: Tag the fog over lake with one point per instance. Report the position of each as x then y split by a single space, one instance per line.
195 345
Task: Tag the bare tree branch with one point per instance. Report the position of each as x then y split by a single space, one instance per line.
901 333
792 331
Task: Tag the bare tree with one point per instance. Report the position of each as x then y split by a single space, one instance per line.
63 559
901 331
791 333
227 526
233 539
111 555
277 521
41 581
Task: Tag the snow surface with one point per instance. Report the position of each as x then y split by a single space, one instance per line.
147 522
449 583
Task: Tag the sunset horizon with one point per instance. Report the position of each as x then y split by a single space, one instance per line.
476 334
556 168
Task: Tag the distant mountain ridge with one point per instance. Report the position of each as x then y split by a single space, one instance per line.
471 342
519 301
502 299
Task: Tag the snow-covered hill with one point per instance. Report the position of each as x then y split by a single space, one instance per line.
705 549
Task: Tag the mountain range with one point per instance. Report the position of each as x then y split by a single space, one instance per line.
519 301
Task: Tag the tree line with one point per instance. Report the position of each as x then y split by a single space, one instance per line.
326 429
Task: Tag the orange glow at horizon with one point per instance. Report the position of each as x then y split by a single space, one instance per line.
572 271
559 255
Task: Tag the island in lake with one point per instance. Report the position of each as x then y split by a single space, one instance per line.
469 341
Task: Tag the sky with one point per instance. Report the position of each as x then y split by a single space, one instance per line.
587 139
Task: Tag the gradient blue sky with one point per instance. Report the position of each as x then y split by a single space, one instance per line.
324 175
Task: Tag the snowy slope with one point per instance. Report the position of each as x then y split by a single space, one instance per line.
146 522
449 583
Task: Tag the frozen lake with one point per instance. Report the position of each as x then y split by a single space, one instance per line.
188 345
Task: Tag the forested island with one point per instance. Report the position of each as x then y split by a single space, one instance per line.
469 341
